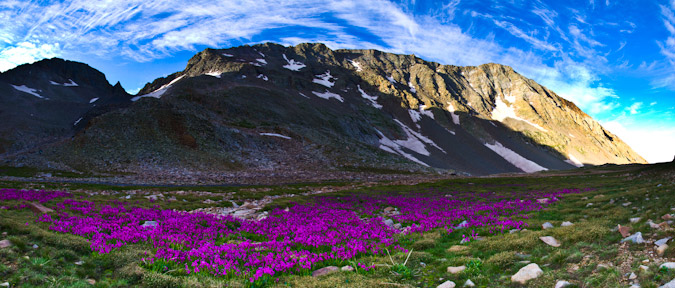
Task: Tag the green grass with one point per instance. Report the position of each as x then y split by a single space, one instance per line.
490 263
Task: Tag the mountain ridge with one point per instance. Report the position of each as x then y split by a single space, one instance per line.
356 108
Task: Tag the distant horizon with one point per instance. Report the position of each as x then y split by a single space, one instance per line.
613 60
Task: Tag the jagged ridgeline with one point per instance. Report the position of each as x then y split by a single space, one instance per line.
309 108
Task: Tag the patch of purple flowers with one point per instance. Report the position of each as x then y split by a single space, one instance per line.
41 196
306 236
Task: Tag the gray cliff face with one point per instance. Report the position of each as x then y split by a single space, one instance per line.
269 107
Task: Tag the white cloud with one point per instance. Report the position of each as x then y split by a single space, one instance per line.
634 109
654 143
25 52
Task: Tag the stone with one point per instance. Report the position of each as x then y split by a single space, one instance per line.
79 263
644 268
462 225
457 248
632 276
624 230
513 231
325 271
669 265
542 201
667 217
653 225
151 224
5 243
547 225
566 223
662 241
561 284
347 268
635 238
91 281
670 284
634 220
389 222
589 204
456 269
626 204
398 226
38 208
527 273
388 209
447 284
550 241
4 284
661 250
469 283
664 225
602 266
35 246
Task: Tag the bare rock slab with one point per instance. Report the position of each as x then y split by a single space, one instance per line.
457 269
550 241
325 271
527 273
5 243
447 284
39 208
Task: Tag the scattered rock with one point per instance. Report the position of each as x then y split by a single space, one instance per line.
389 222
79 263
469 283
447 284
527 273
5 243
626 204
662 241
457 248
632 276
653 225
347 268
388 209
547 225
91 281
635 220
667 217
561 284
38 208
661 250
566 223
513 231
624 230
325 271
543 201
151 224
456 269
35 246
5 284
669 265
602 266
644 268
589 204
550 241
462 225
635 238
398 226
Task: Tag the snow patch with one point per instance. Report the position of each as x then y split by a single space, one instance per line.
357 65
324 79
28 90
372 99
261 61
327 95
228 55
415 140
510 98
415 115
455 117
159 92
261 76
512 157
303 95
293 65
70 83
243 76
93 100
391 79
503 111
392 147
574 161
214 74
77 121
412 88
428 113
275 135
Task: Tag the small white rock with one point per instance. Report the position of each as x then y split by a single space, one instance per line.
550 241
632 276
547 225
635 220
457 269
566 223
561 284
469 283
527 273
669 265
447 284
635 238
644 268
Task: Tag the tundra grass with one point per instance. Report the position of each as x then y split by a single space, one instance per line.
61 260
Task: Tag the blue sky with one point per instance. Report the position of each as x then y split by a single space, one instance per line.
615 60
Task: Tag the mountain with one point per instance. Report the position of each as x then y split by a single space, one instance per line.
48 101
307 108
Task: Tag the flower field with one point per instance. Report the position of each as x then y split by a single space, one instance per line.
329 230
